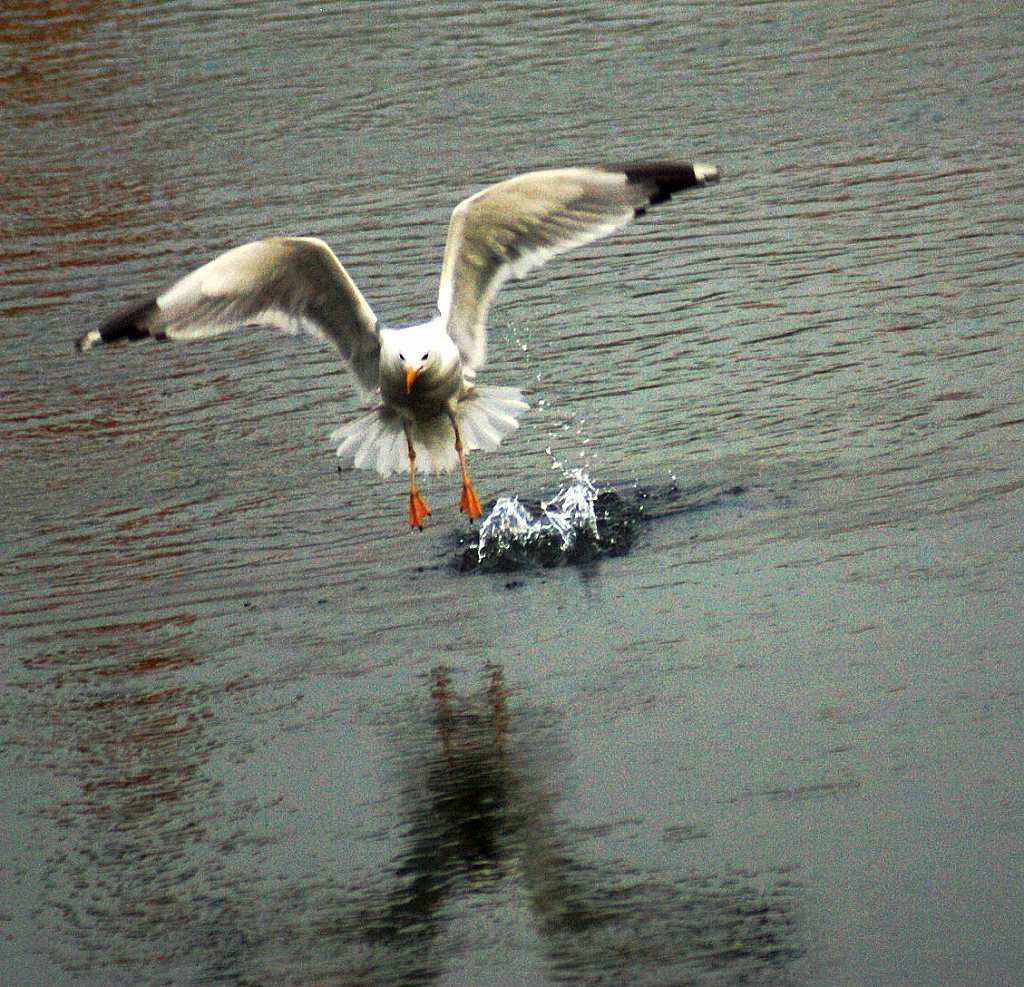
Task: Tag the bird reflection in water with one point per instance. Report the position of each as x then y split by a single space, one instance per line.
483 838
463 828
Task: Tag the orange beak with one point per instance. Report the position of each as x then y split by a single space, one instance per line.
410 376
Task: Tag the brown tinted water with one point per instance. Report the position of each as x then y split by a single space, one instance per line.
256 732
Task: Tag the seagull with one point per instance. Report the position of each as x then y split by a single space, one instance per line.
431 410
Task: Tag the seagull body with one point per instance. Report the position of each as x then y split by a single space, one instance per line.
431 409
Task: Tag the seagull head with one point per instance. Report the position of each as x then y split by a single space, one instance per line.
413 368
424 352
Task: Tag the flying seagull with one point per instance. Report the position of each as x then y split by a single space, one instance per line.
431 407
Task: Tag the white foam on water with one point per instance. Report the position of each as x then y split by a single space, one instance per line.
512 527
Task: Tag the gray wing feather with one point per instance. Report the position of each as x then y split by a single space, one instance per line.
295 284
514 227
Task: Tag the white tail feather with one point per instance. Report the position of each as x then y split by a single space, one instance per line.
377 440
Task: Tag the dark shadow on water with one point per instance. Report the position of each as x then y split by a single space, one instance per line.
483 831
156 878
620 513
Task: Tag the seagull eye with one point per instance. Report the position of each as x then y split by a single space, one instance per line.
401 356
426 355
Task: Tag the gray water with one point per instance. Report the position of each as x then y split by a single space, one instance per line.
256 732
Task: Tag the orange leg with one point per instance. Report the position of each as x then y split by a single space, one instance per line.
468 502
418 509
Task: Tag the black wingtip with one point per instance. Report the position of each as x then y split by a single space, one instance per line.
663 178
130 323
85 343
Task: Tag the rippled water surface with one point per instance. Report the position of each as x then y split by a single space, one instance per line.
256 732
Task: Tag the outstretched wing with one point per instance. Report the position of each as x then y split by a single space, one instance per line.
295 284
511 228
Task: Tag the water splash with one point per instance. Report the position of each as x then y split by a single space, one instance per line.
509 524
581 524
571 513
578 523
